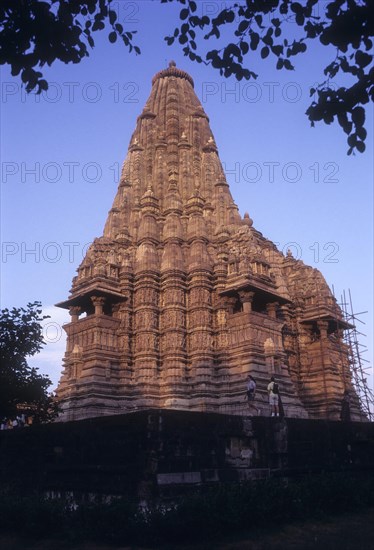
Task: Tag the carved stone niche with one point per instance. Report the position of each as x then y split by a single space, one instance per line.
146 296
233 266
199 296
269 347
145 319
173 296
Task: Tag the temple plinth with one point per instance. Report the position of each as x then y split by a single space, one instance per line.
182 298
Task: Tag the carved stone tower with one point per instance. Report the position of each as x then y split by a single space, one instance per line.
181 298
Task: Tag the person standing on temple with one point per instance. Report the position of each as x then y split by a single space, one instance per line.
251 392
273 391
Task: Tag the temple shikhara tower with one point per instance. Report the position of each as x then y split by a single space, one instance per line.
182 298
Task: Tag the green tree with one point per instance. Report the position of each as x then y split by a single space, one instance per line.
22 389
34 33
263 27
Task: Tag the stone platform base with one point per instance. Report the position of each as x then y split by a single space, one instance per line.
153 453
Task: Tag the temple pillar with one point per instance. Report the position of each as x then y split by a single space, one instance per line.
200 310
246 298
173 333
146 334
98 302
271 308
224 307
286 312
124 340
322 327
200 327
75 311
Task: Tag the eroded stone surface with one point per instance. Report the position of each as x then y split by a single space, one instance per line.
183 297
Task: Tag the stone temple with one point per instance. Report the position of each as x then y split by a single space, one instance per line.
182 298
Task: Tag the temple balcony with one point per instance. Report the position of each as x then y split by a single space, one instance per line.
250 294
315 312
83 301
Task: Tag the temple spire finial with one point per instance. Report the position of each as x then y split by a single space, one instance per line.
173 71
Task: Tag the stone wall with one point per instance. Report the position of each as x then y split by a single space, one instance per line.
153 453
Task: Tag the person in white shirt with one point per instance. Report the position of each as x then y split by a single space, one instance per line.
273 392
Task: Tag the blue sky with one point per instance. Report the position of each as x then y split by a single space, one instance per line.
61 153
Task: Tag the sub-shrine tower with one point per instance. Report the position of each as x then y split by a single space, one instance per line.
182 298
